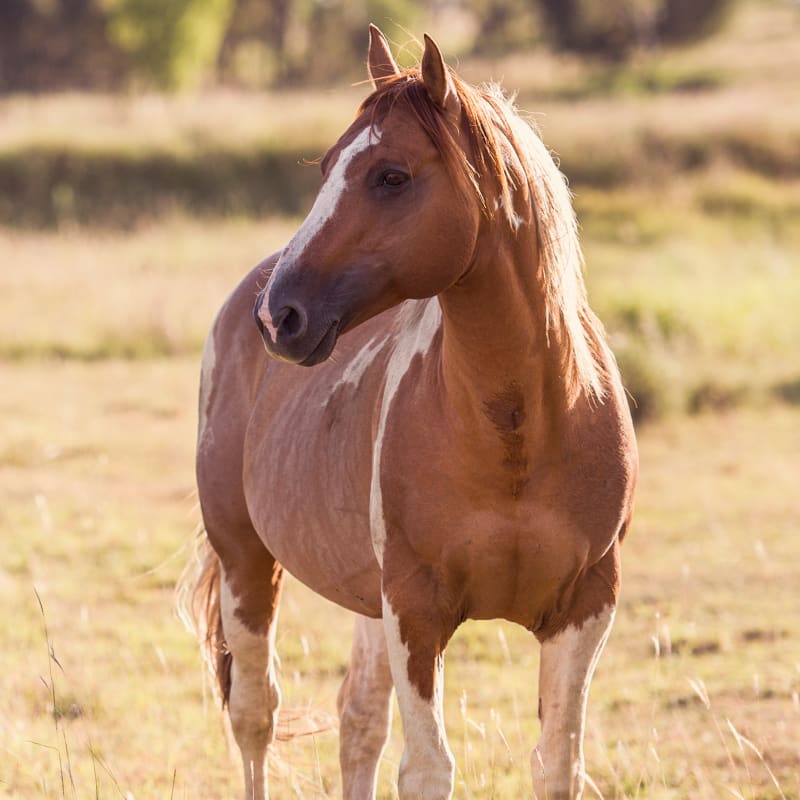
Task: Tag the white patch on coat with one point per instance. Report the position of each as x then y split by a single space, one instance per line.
255 696
324 208
418 322
205 434
358 365
568 662
427 767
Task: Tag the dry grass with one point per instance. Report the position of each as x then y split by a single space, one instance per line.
697 285
97 509
91 295
133 123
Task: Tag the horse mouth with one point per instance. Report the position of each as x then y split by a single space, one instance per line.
324 347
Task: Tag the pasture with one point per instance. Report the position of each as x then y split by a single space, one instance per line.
689 203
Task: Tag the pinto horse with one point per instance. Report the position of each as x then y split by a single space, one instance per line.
465 451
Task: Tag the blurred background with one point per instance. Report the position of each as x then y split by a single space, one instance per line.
152 151
675 121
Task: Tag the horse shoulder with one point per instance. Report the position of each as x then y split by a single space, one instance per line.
234 333
233 362
601 464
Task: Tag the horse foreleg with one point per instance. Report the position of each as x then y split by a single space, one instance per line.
365 710
249 611
567 664
416 655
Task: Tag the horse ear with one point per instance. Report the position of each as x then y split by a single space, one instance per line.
437 79
380 62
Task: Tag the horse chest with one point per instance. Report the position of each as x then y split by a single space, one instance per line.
488 561
498 542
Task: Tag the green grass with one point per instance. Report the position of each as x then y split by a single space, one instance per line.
699 300
646 142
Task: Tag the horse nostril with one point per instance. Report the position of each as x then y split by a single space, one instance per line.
290 322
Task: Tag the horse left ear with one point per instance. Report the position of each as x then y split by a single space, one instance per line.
380 62
437 79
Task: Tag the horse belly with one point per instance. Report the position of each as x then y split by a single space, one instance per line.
307 484
329 552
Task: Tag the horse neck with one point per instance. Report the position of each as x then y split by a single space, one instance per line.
497 352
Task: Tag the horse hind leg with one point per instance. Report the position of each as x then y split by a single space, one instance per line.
240 602
365 711
567 665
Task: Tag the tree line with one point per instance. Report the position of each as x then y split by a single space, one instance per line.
50 45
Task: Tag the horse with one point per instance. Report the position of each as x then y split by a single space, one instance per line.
458 447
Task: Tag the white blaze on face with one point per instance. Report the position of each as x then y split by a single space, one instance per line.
323 209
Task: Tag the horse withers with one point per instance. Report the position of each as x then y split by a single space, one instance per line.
467 454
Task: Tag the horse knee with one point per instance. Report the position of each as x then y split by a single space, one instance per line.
364 697
365 714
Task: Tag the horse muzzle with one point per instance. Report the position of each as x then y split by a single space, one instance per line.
289 336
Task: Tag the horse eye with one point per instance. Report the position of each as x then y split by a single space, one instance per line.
394 178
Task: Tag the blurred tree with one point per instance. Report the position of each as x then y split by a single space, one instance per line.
305 41
173 43
58 44
686 20
504 25
337 34
105 44
582 27
613 29
255 42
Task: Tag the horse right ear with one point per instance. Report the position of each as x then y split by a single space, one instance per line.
380 62
437 80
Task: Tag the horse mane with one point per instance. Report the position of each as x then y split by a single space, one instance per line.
492 125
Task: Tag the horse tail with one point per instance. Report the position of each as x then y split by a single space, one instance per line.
198 604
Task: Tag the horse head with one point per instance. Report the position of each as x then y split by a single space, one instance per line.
391 220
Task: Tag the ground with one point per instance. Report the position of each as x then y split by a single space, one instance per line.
697 693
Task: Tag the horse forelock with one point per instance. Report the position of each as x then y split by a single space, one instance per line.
491 124
408 92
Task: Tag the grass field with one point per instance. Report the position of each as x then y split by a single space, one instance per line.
98 508
689 203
